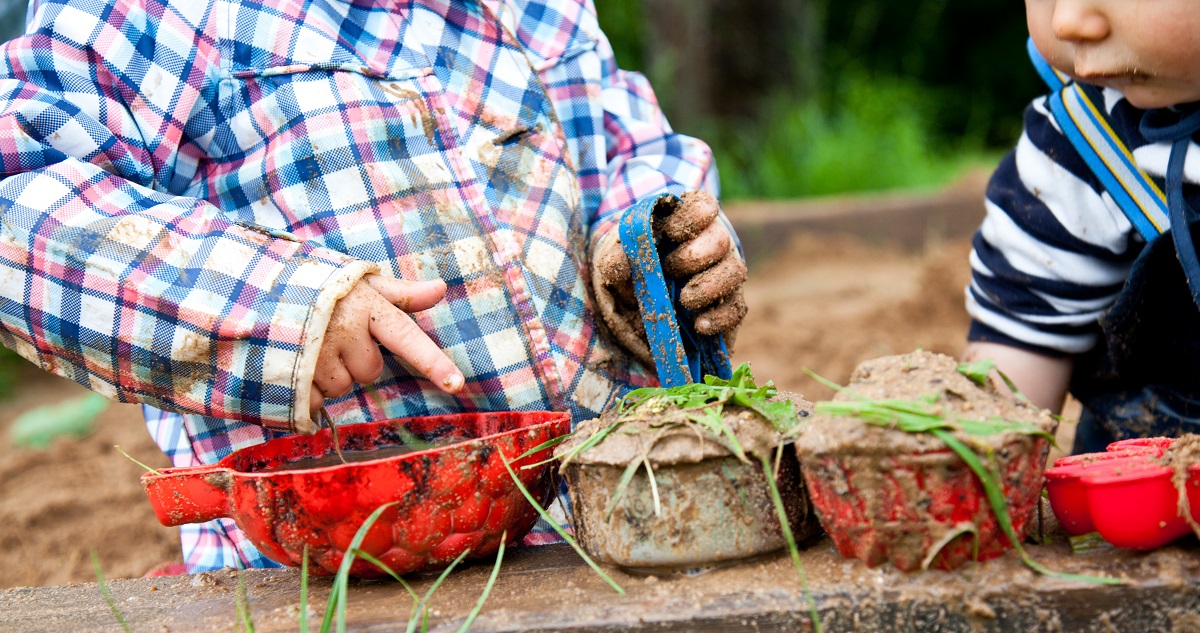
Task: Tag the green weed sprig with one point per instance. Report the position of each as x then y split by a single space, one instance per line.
558 528
793 549
712 395
112 605
242 602
150 470
341 581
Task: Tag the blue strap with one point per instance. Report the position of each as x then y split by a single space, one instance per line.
1052 77
1076 107
1078 110
1177 127
1182 231
681 355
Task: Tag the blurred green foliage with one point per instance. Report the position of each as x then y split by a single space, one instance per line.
870 133
908 93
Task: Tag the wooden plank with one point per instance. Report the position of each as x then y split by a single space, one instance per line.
550 589
912 221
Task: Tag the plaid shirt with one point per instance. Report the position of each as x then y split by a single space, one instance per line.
190 186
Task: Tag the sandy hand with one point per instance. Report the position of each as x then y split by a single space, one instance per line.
701 251
374 312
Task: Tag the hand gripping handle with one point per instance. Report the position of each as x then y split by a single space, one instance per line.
681 355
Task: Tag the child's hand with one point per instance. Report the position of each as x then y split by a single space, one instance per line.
373 313
704 252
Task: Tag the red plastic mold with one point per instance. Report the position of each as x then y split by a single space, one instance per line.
451 499
927 498
1125 494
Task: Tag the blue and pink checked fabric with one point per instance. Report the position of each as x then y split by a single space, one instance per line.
190 186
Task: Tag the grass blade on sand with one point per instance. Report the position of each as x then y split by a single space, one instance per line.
558 528
791 542
487 589
242 602
995 495
112 605
422 607
304 592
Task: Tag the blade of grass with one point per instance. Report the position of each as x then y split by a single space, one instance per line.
389 571
653 487
112 605
980 372
333 433
544 445
995 497
304 591
487 589
423 605
341 581
595 439
242 602
791 541
558 528
130 458
622 485
958 530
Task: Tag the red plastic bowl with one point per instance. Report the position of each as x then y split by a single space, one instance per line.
450 499
1125 494
1064 487
1135 506
925 497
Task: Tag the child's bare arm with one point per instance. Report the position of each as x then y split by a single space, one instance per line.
374 312
1043 379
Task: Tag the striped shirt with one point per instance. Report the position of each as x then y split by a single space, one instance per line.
1054 249
189 186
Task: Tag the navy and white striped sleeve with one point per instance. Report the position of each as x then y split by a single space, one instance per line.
1053 251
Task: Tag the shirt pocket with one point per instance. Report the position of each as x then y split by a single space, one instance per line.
332 152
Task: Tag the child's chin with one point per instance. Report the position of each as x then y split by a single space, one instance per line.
1147 97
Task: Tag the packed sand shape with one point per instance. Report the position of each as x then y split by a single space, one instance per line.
886 494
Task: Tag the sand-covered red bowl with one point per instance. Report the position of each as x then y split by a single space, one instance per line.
884 494
442 478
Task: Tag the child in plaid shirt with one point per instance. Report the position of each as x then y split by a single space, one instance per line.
223 209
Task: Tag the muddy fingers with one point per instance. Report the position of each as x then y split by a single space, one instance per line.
715 283
698 254
695 213
725 316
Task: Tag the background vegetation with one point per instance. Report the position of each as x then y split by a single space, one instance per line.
813 97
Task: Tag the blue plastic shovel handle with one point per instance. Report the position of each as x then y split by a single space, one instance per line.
680 354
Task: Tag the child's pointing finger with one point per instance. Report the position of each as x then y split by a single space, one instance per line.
397 332
410 296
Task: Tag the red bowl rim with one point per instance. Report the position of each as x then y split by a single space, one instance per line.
1154 442
1089 458
1084 469
1126 473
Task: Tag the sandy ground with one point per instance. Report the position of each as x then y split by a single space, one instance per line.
825 304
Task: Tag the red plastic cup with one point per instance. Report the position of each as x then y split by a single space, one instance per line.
1135 506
